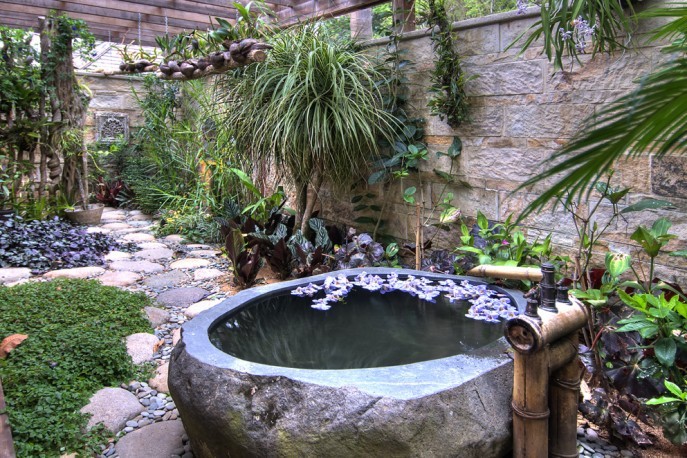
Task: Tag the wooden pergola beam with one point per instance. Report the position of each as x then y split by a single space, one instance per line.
317 9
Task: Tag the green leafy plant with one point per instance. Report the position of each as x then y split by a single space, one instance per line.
448 79
312 108
70 353
574 27
502 244
673 410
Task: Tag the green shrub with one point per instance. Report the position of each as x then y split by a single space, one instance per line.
75 347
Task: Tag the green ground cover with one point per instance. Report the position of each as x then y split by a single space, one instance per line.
75 347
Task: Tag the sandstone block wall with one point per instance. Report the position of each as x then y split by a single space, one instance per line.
111 94
521 113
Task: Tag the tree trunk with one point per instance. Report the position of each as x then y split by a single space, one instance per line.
310 204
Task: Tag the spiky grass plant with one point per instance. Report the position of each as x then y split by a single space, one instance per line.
313 108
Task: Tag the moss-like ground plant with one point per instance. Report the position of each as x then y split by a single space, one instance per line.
75 347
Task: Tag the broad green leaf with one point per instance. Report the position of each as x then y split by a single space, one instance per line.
444 176
456 148
681 253
647 204
647 240
665 350
673 388
617 263
661 400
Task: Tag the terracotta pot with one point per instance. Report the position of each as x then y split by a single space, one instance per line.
89 217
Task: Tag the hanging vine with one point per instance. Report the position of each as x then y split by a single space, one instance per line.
448 80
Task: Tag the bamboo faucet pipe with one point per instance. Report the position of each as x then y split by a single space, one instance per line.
564 388
507 272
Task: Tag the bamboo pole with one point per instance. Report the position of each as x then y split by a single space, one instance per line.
530 405
564 389
6 444
418 237
507 272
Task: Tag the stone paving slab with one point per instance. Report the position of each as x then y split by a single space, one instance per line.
187 263
117 256
194 309
116 226
198 246
151 245
119 278
112 217
156 316
175 238
76 272
203 253
144 223
181 297
140 347
159 380
138 237
137 266
207 274
154 254
166 280
141 217
13 274
158 440
113 407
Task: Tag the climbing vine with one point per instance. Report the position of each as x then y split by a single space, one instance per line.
448 80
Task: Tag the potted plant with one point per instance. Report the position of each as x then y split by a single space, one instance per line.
84 213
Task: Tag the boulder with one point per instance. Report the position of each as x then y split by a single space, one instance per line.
112 407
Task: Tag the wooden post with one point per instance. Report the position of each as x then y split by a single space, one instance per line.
404 15
418 237
361 24
6 444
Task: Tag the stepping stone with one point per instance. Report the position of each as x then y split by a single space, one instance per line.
189 263
141 217
112 217
110 209
204 253
141 223
150 245
158 440
207 274
140 347
194 309
76 272
137 266
117 256
154 254
113 407
135 212
159 380
97 230
166 280
12 274
116 226
131 230
156 315
198 246
175 238
138 237
181 297
119 278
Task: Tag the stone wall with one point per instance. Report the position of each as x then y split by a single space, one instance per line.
521 113
111 94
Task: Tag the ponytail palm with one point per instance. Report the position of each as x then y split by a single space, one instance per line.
313 108
651 119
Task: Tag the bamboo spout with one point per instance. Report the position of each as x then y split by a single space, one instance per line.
507 272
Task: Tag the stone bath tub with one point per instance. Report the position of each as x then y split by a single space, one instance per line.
452 406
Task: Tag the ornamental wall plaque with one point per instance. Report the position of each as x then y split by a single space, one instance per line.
111 127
